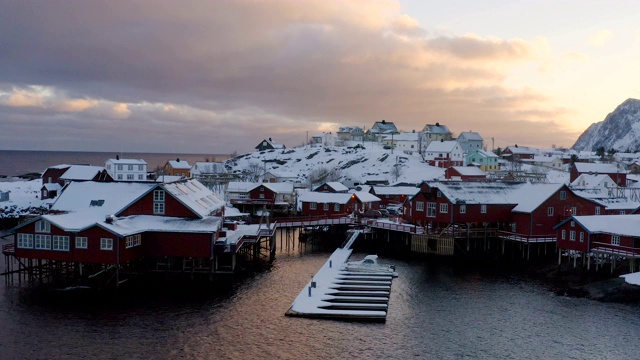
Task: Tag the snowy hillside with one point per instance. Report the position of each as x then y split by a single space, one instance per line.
620 130
353 164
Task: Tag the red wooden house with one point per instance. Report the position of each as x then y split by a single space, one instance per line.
393 195
517 153
465 173
612 235
316 203
254 197
618 175
112 223
332 187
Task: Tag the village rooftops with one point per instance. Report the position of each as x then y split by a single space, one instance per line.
324 198
136 224
470 135
396 190
436 129
625 225
469 170
597 168
128 161
81 172
179 164
195 196
442 146
335 185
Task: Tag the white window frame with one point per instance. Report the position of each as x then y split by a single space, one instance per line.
483 208
463 209
25 241
550 211
43 226
130 177
82 242
158 208
419 205
336 207
564 234
60 243
42 242
313 206
133 240
140 177
444 208
572 235
597 211
106 244
431 209
581 236
574 210
325 207
119 176
615 240
563 195
158 195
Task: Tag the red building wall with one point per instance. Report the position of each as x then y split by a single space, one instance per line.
172 207
566 243
268 194
344 209
178 244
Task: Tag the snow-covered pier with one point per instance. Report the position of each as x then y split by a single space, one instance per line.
336 292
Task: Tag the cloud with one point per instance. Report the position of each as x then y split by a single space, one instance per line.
574 56
600 38
233 72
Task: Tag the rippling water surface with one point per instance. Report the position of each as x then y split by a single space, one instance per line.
437 311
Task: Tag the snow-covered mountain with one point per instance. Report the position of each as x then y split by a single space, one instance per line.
353 164
620 130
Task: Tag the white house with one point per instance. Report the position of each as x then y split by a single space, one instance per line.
470 141
444 154
201 168
350 133
407 142
126 169
432 132
324 139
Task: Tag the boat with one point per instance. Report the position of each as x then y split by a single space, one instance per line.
370 265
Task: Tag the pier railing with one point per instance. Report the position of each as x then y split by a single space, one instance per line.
526 238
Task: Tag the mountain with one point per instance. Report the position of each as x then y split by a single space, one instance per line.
620 130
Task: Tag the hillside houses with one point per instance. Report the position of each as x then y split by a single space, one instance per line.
380 129
444 154
617 174
126 169
470 141
487 161
255 198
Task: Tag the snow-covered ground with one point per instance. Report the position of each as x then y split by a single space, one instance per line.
24 196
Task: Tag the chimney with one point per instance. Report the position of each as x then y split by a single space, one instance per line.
177 159
117 157
109 219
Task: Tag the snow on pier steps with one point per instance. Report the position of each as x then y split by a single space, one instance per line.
336 293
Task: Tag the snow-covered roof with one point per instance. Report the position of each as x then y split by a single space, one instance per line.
240 186
396 190
626 225
366 197
282 174
140 223
324 198
278 188
52 186
470 136
485 153
437 129
128 161
602 197
335 185
168 178
597 168
81 172
179 164
350 129
469 170
503 193
207 167
382 127
590 180
520 150
542 159
442 146
195 196
59 166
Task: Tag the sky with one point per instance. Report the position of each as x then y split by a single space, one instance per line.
217 77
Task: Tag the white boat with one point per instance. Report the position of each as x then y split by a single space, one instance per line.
370 265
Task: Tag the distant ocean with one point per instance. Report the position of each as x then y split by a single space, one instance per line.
15 163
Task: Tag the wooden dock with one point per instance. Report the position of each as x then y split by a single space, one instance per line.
335 293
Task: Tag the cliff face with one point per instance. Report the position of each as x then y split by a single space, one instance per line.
620 130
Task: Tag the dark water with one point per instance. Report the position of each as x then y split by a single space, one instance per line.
437 311
14 163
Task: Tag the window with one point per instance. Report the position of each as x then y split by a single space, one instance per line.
140 167
42 242
563 195
261 188
130 167
158 208
261 196
420 206
119 176
572 235
82 242
108 168
581 236
615 239
564 234
25 241
134 240
431 209
326 207
129 176
43 226
597 210
140 177
438 194
550 211
158 195
444 208
574 210
622 212
336 207
60 243
463 209
573 224
106 244
483 208
119 166
313 206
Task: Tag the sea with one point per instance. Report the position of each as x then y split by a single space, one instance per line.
16 162
439 309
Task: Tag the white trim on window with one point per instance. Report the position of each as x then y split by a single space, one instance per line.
25 241
106 244
444 208
60 243
42 242
419 205
82 242
158 208
43 226
483 208
313 206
